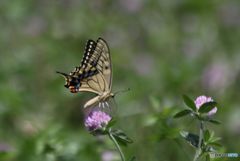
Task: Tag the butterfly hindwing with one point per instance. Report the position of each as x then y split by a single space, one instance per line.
95 84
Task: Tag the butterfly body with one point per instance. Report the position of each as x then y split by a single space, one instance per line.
103 98
94 74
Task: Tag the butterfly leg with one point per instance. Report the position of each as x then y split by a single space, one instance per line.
107 104
104 104
108 107
100 105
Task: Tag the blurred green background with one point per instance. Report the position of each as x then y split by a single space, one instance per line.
160 49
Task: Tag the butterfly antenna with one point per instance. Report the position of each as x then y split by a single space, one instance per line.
115 93
122 91
64 74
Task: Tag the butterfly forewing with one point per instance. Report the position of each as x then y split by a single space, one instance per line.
104 65
101 61
86 69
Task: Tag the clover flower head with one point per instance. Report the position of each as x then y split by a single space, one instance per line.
200 100
97 120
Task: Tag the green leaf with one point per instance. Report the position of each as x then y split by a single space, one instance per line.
206 135
215 144
206 107
192 139
207 157
121 137
98 132
215 121
111 123
48 148
189 102
210 149
182 113
132 159
154 102
214 139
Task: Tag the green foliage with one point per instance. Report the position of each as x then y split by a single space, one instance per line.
207 157
121 137
206 135
189 102
111 123
160 49
214 121
206 107
191 138
133 158
182 113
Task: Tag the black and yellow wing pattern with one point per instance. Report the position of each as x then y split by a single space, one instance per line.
86 69
94 74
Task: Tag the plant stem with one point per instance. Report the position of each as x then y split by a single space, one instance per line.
116 144
199 150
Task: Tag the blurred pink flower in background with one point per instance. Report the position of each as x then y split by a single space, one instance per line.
200 100
229 13
97 120
109 156
143 64
131 5
218 76
35 26
5 147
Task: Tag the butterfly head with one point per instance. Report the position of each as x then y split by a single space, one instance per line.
72 83
112 95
